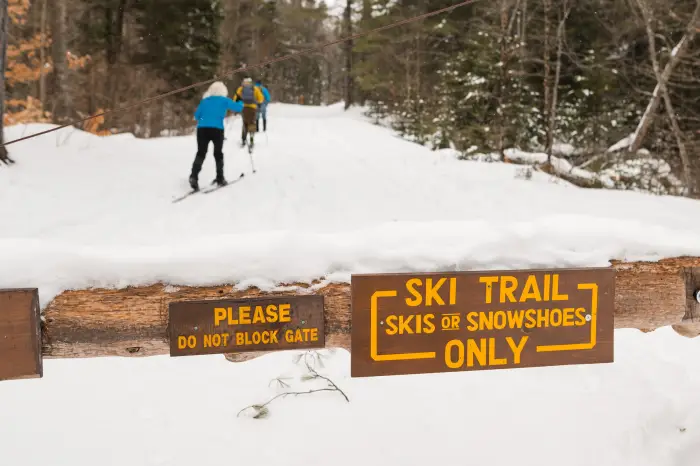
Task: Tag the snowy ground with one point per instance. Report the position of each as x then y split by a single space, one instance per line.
333 195
643 410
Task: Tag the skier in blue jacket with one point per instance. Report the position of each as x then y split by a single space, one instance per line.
210 115
262 111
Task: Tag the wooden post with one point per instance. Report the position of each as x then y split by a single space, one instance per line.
20 334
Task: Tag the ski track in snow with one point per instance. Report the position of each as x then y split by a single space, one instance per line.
332 196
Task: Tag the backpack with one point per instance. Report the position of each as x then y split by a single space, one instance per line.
248 95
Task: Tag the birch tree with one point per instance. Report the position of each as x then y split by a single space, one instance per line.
663 77
648 16
561 28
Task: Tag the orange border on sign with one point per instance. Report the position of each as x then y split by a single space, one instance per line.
594 313
374 331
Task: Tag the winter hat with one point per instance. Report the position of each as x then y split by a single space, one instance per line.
218 88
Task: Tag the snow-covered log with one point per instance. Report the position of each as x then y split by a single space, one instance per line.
133 321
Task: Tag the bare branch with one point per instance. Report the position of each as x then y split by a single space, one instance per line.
262 411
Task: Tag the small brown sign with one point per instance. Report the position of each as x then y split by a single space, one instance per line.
462 321
20 334
241 325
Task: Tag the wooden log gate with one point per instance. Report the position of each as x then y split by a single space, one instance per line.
133 321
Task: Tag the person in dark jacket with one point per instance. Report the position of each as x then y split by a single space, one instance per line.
210 114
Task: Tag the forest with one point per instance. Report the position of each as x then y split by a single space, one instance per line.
607 85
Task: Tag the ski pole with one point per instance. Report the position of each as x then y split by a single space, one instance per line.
250 154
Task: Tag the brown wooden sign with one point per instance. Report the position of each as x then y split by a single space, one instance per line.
20 334
442 322
241 325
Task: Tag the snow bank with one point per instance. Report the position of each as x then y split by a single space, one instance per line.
267 258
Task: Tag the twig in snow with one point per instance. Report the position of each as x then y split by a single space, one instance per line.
261 410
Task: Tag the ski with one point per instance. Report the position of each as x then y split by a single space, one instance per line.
211 190
185 196
207 191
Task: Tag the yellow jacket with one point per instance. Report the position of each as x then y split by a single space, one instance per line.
259 98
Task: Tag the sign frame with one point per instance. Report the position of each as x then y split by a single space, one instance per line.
379 348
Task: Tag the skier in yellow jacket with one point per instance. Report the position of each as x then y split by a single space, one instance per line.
251 97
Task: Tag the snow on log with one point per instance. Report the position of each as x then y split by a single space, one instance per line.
133 321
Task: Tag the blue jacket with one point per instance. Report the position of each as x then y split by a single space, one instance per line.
211 111
266 94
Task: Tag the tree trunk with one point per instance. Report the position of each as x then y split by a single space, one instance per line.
662 80
115 40
417 107
4 155
523 32
557 75
254 48
547 90
61 106
508 22
361 95
522 55
503 79
42 57
348 56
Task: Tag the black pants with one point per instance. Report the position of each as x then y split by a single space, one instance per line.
204 137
